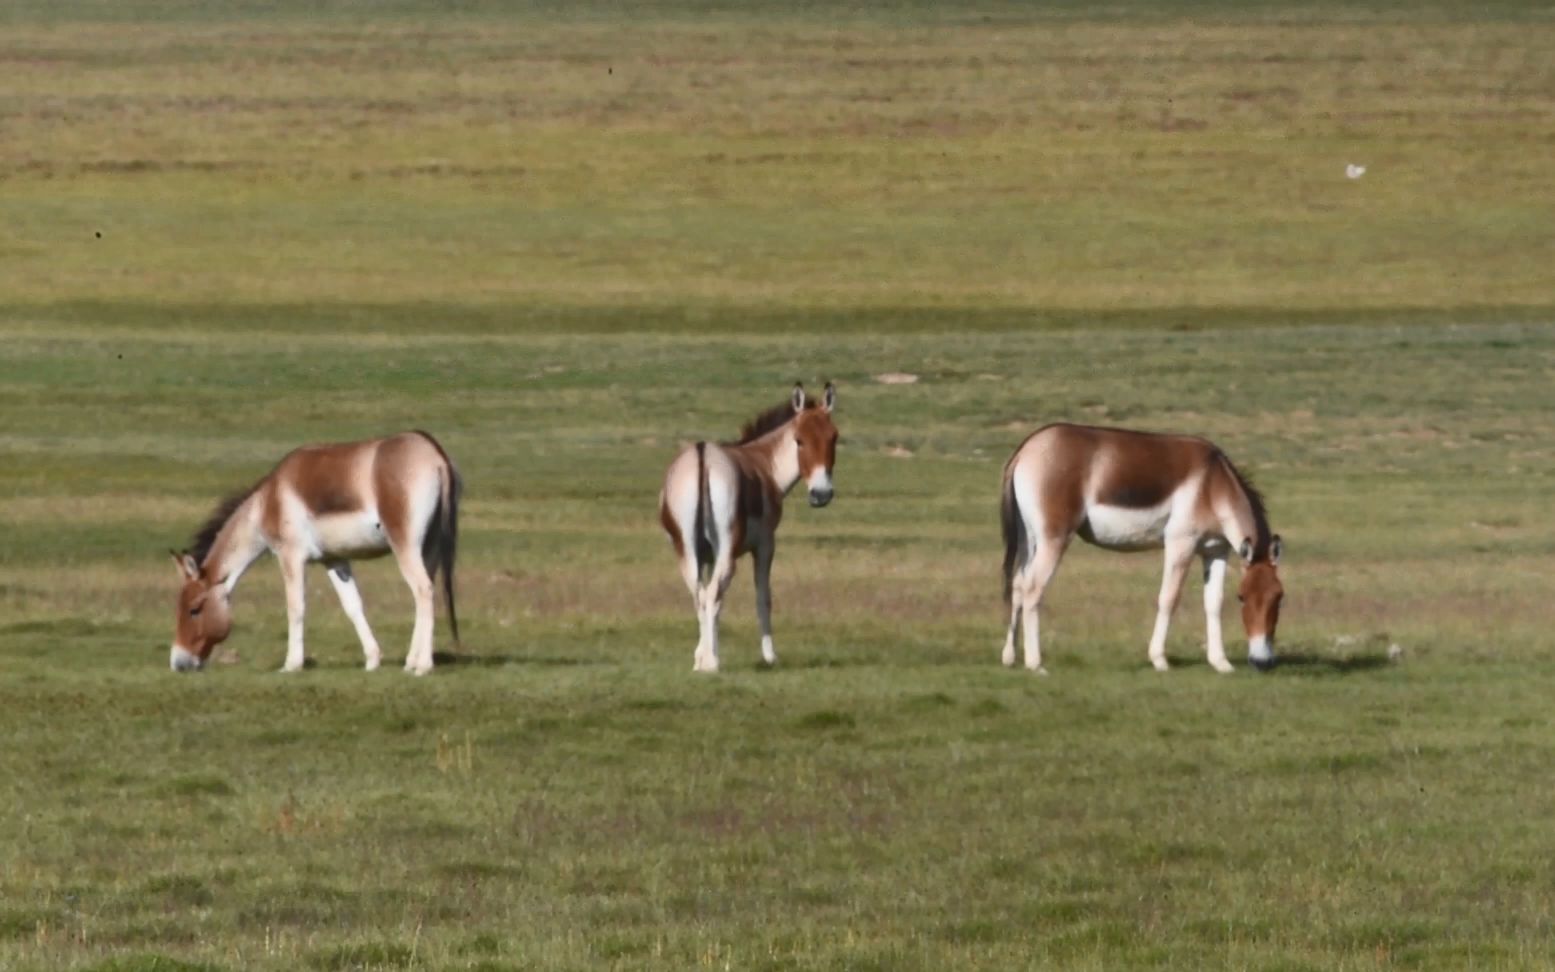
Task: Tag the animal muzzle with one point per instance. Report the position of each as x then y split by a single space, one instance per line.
183 660
820 488
1260 652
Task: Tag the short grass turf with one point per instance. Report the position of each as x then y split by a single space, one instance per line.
566 243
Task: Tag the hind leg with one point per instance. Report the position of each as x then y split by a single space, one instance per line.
418 660
712 604
1008 655
690 574
351 601
1033 582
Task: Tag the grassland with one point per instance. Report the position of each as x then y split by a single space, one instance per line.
566 246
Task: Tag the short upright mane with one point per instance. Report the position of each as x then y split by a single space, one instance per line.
205 539
773 418
1255 504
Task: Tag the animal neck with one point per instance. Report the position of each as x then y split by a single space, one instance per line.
776 453
1244 519
238 544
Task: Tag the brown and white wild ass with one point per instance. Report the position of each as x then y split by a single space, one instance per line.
333 504
722 500
1124 490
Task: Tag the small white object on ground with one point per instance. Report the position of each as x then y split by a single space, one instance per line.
1395 652
896 378
1354 171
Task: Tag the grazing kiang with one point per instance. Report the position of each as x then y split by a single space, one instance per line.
723 500
328 504
1124 490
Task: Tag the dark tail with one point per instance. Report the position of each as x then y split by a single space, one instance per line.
1014 533
704 539
441 546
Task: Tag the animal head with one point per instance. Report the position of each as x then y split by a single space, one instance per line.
204 616
815 438
1261 593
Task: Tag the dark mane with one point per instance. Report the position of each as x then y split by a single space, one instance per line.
1256 504
773 418
205 538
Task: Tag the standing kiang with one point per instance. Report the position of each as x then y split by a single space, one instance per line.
723 500
329 504
1125 490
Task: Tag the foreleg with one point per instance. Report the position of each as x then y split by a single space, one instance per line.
1179 554
1214 596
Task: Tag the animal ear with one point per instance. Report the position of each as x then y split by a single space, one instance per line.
1246 550
187 568
798 397
829 400
1274 550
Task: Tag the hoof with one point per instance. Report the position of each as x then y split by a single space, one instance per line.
1160 665
1039 670
1224 668
371 666
1008 658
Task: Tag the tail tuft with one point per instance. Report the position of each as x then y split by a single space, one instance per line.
1014 533
704 537
440 548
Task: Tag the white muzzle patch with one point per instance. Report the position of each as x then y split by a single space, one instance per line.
1260 652
183 660
819 485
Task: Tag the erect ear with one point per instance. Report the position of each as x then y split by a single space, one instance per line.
187 568
1274 550
1246 550
798 397
829 400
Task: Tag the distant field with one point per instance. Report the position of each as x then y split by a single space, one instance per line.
689 167
566 244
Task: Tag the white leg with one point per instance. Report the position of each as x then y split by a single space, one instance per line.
689 573
1033 582
418 660
1008 655
1179 554
351 600
712 606
1214 596
292 571
763 573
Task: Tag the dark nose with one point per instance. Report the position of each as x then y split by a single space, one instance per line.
820 497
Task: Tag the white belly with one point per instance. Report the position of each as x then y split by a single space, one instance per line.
349 535
1121 528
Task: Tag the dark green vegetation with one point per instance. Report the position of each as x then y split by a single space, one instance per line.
566 246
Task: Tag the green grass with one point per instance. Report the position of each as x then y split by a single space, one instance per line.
565 247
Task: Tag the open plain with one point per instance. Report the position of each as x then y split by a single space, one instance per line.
566 239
